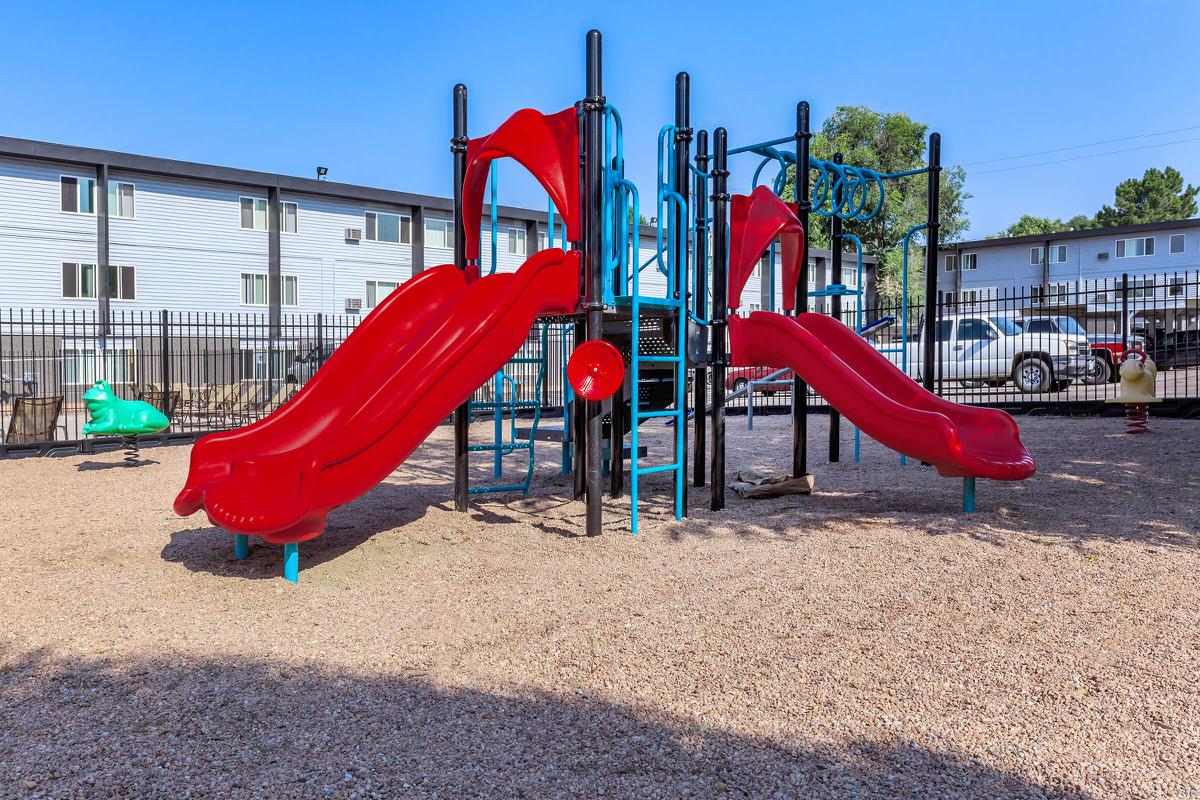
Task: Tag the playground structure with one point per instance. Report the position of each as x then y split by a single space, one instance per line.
420 355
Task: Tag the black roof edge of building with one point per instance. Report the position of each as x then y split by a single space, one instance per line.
1117 230
172 168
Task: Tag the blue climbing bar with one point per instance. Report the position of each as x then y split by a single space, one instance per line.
291 562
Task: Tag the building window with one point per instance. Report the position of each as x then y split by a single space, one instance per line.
971 295
516 241
377 290
1058 254
254 214
1176 245
1132 248
290 290
1176 287
120 199
78 195
541 240
122 283
78 280
439 233
968 261
83 366
393 228
289 214
951 263
1142 287
255 289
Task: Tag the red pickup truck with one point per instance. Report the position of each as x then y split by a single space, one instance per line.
738 377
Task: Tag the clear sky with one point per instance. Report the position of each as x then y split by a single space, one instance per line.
364 88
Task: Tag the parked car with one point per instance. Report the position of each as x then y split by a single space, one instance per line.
993 350
303 368
1105 353
1176 349
736 378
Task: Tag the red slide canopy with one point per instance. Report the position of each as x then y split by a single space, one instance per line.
756 220
545 144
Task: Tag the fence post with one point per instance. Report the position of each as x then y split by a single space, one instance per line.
165 348
320 340
1124 311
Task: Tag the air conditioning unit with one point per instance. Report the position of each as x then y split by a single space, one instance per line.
354 304
1102 256
353 234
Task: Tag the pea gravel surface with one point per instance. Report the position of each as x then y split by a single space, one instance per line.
868 641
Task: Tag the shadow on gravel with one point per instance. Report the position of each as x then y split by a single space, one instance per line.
87 466
210 549
241 729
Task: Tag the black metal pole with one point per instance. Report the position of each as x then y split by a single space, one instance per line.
616 444
700 302
804 205
578 428
594 257
683 160
932 228
835 309
720 301
458 146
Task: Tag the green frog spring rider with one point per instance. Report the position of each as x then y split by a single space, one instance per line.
112 416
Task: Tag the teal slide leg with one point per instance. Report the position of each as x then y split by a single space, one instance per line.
291 562
241 547
968 495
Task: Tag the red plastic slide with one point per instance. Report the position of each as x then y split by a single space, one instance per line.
412 361
890 407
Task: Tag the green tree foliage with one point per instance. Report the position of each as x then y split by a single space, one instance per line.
1030 225
1159 195
887 143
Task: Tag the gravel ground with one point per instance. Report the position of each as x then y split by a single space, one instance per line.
867 641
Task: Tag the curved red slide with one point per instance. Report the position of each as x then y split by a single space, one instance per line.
412 361
887 405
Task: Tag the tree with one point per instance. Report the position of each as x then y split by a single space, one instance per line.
1030 225
887 143
1158 196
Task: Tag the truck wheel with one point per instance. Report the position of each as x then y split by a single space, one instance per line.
1098 371
739 384
1032 375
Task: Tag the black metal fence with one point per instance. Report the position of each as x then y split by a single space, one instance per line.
1059 345
1053 346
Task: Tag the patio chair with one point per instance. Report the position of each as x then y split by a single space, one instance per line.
34 419
281 396
155 397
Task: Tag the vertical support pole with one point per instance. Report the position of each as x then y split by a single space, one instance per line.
683 182
498 422
164 324
720 311
241 546
1124 313
417 236
968 495
835 310
578 424
291 562
803 206
594 258
932 228
102 249
458 146
274 272
700 302
616 444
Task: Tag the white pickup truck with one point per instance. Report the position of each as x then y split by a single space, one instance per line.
991 350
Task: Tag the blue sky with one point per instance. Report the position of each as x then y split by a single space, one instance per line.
364 88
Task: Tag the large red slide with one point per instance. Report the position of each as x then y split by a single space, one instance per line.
853 377
890 407
415 358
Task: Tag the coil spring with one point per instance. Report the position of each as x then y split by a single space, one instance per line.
1137 418
130 443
